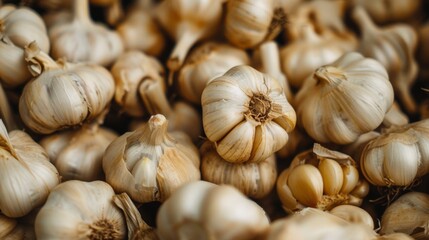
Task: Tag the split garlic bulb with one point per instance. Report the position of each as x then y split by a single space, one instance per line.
255 180
247 115
130 71
397 157
408 214
27 176
96 43
80 210
394 47
188 22
77 154
203 210
22 26
344 99
204 63
247 22
13 68
320 178
62 94
149 163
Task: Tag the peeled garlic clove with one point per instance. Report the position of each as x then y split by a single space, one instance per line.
13 68
353 214
26 173
309 189
198 210
332 175
350 178
243 111
80 210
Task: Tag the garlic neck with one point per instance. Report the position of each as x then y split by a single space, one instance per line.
81 11
361 17
329 75
154 98
38 61
309 35
155 131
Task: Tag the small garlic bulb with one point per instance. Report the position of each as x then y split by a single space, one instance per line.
13 68
81 210
97 44
397 157
344 99
203 210
320 178
247 115
247 22
22 26
149 163
130 70
255 180
62 95
27 176
77 154
408 214
204 63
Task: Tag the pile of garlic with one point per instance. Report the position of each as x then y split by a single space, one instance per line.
214 119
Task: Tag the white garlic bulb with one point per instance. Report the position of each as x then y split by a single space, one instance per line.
203 210
344 99
27 176
62 95
247 115
81 210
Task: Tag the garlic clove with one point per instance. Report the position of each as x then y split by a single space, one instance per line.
350 180
308 190
332 175
240 138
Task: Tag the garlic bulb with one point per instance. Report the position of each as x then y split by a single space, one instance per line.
255 180
27 176
22 26
320 178
203 210
394 47
344 99
353 214
130 70
149 164
408 214
247 115
80 210
247 22
207 61
398 156
62 95
188 22
77 154
13 68
97 44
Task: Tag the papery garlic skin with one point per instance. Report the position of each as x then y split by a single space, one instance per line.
247 115
203 210
13 68
344 99
149 163
353 214
27 176
80 210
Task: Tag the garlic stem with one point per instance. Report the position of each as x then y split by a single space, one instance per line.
404 94
81 11
155 131
38 61
185 41
114 12
309 34
365 23
329 75
5 111
154 98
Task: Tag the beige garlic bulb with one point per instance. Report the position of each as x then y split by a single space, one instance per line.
22 26
247 22
62 95
81 210
408 214
394 47
187 22
203 210
130 71
96 43
344 99
247 115
397 157
27 176
320 178
205 62
13 68
77 154
149 163
255 180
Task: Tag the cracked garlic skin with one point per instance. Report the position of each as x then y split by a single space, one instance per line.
81 210
203 210
27 176
320 178
246 114
62 95
398 157
344 99
150 163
